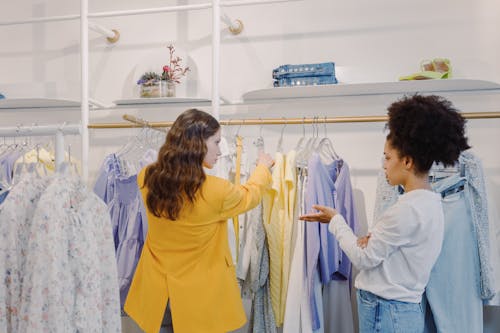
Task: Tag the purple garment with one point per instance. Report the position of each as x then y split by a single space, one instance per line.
344 204
128 218
7 162
319 190
104 186
323 253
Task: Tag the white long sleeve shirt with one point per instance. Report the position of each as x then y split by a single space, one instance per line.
404 245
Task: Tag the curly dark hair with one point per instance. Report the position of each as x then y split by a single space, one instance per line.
178 173
428 129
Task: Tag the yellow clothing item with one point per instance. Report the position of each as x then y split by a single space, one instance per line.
41 156
189 262
274 219
290 190
47 159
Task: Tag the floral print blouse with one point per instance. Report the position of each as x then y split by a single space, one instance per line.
57 259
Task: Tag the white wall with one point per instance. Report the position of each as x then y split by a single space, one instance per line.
369 42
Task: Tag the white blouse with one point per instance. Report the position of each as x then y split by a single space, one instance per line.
404 245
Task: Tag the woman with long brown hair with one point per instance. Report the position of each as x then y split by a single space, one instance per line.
186 259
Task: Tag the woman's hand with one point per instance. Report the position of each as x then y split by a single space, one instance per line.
324 216
363 241
265 159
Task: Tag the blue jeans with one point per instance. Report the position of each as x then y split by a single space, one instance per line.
453 292
377 314
289 71
305 81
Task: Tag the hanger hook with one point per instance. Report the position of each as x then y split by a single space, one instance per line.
261 126
284 125
61 127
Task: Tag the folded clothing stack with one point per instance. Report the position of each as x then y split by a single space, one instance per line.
304 75
1 96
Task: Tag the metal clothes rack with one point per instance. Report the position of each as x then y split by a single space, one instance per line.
136 122
45 130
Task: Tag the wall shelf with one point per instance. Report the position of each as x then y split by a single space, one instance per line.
379 88
37 103
160 100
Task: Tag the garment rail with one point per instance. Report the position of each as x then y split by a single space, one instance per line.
44 130
281 121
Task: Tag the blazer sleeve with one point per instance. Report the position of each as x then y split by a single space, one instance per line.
238 199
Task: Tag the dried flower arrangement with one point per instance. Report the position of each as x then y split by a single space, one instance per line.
174 70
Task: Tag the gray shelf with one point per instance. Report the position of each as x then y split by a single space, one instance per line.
160 100
37 103
378 88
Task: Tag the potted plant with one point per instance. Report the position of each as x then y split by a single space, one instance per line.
150 84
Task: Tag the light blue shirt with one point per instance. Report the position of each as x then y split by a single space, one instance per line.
323 252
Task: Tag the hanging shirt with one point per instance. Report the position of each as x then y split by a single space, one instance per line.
58 253
40 155
16 216
255 276
290 191
297 312
129 222
322 251
188 262
128 217
274 219
344 204
71 285
337 293
7 161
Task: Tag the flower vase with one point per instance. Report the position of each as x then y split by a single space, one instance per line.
150 90
167 88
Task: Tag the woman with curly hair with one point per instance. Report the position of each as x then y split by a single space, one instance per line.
396 258
186 259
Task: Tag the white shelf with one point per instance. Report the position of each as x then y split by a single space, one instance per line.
379 88
160 100
37 103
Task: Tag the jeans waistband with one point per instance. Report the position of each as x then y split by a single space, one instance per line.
449 185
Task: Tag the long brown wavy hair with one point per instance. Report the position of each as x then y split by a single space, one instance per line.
178 173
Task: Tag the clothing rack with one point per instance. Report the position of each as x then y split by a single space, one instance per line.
44 130
136 122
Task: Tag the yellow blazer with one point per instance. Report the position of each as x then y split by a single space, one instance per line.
189 262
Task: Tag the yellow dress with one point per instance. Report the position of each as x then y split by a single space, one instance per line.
188 261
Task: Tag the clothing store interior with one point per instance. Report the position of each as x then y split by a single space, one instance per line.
89 91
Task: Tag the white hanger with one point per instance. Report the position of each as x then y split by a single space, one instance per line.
259 141
325 148
279 148
298 147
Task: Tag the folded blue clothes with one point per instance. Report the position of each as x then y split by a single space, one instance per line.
2 96
301 70
305 81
